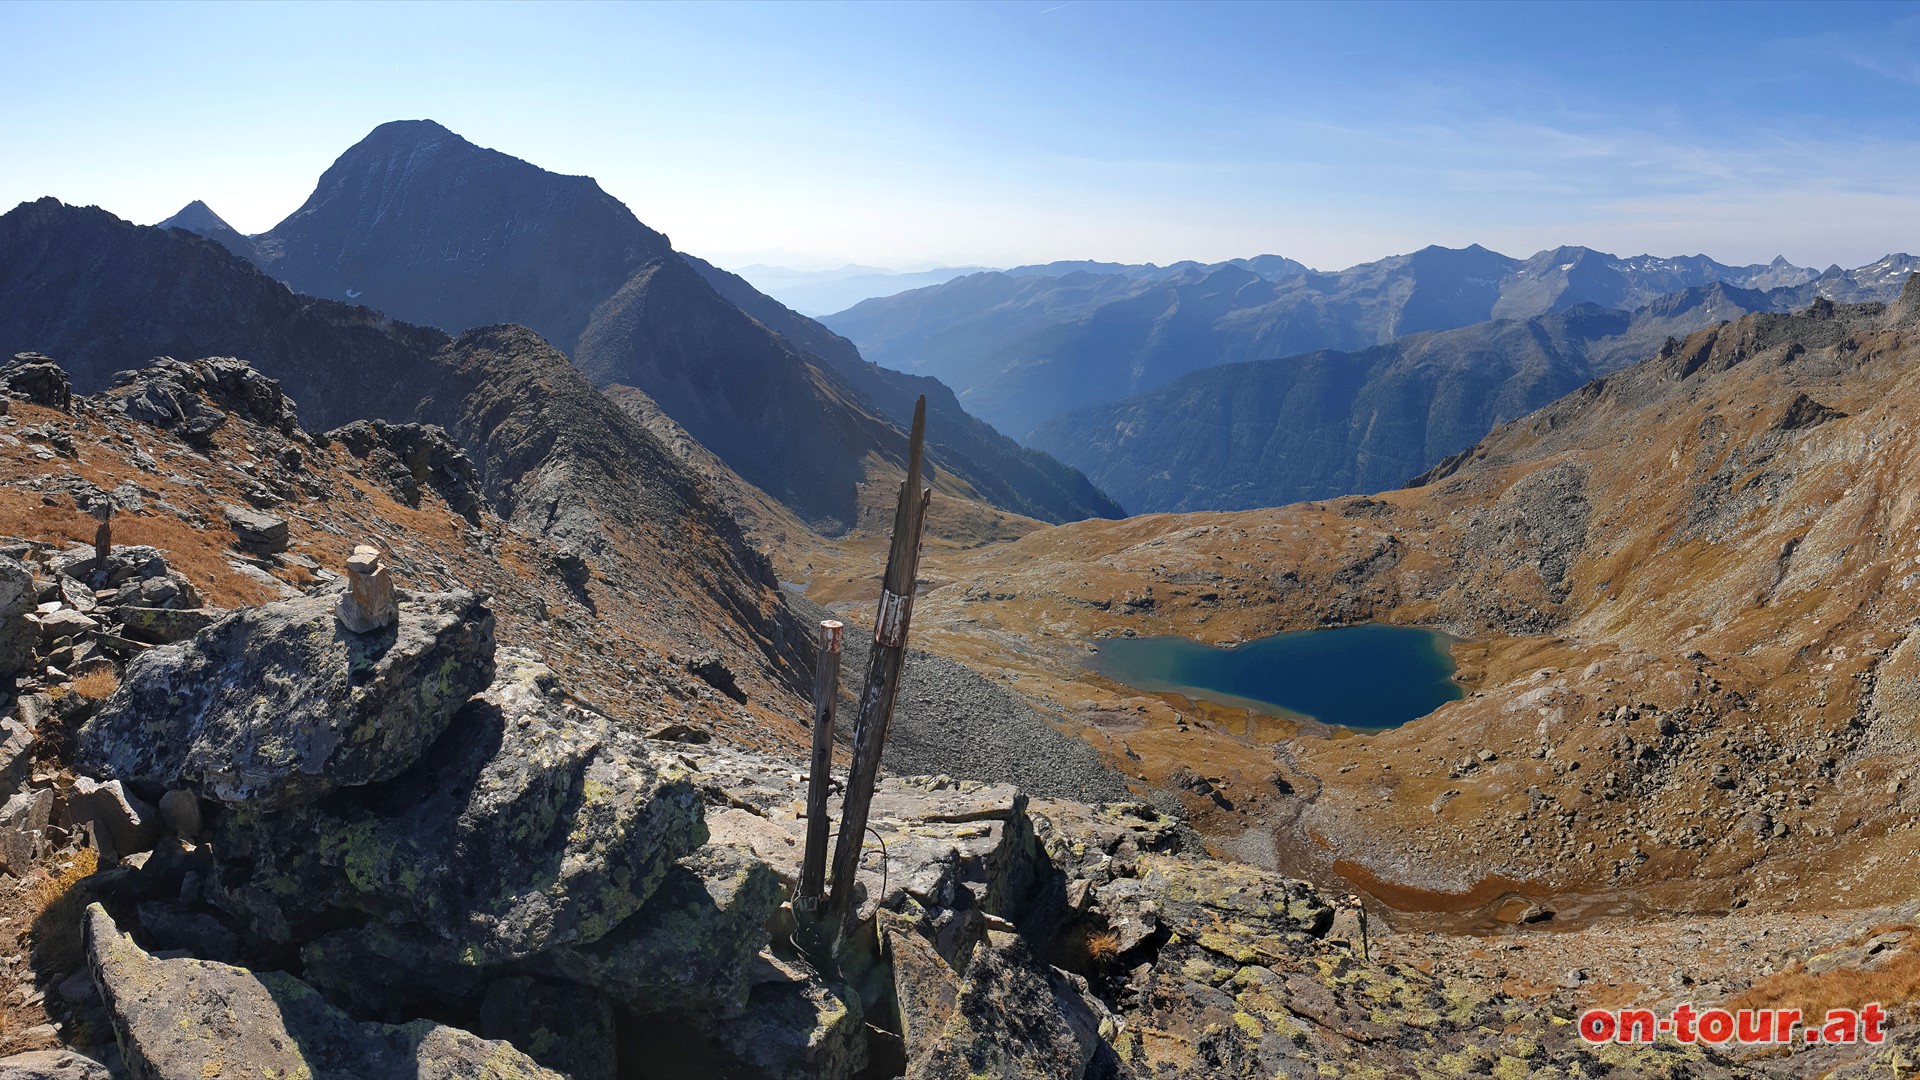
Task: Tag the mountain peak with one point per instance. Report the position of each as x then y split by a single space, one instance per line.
410 131
194 217
535 247
198 218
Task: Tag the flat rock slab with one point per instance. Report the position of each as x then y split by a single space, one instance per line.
185 1019
52 1065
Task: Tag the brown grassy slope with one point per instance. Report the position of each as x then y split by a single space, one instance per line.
1680 586
613 642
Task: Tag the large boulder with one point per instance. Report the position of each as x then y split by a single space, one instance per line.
280 704
1012 1016
38 379
693 942
17 632
187 1019
533 824
16 755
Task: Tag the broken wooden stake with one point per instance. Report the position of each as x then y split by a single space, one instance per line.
826 688
889 653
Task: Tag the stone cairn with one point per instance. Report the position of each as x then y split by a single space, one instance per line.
368 603
102 509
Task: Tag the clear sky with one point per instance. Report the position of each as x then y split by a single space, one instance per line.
919 134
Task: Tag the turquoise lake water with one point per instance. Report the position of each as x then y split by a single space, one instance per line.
1364 677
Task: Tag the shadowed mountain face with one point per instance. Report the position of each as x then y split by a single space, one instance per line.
419 223
1024 346
1002 471
1324 424
553 454
415 221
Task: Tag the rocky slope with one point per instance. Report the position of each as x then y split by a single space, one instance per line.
1022 349
424 226
506 882
1326 424
552 454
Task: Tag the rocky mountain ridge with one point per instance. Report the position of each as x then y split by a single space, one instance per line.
424 226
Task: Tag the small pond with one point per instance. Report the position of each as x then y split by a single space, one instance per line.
1362 677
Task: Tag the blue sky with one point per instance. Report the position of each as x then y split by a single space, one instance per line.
914 135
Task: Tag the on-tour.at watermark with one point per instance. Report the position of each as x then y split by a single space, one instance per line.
1685 1024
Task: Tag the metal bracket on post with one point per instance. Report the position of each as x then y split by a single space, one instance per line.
890 624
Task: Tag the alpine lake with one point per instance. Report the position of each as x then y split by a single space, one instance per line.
1362 678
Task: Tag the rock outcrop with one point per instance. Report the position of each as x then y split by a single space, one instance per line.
189 1019
281 704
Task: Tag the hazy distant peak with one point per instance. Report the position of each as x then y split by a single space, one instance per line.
198 218
195 216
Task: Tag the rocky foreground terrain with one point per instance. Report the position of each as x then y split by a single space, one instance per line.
526 825
243 838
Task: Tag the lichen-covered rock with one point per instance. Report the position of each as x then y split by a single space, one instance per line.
186 1019
17 632
798 1028
163 625
280 704
1013 1017
1237 910
692 945
566 1028
925 987
532 824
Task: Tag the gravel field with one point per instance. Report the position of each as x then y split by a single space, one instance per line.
950 720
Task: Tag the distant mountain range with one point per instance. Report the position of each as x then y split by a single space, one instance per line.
1327 423
423 225
1023 347
819 292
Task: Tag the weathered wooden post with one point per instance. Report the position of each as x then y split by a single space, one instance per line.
883 677
826 688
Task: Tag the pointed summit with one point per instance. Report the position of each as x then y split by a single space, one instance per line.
198 218
415 221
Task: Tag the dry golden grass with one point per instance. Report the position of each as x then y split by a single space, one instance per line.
56 901
1086 949
96 685
1897 982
